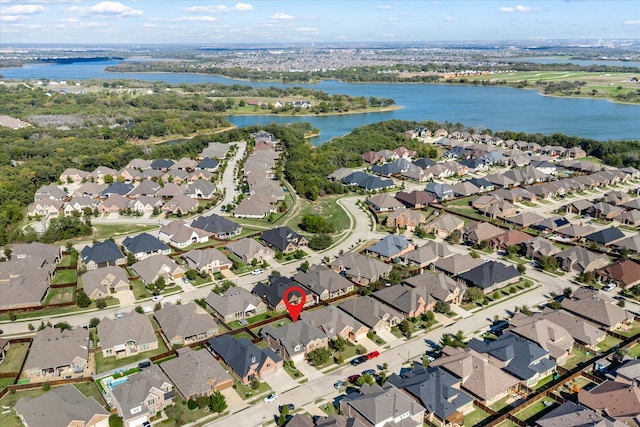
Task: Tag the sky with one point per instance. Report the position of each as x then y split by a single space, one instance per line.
208 22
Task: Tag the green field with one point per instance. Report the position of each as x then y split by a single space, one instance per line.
15 357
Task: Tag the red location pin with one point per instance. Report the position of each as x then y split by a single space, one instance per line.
294 309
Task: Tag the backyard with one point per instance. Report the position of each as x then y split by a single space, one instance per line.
536 410
474 418
60 295
65 276
15 357
106 364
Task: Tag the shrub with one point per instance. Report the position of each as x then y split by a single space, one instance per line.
192 404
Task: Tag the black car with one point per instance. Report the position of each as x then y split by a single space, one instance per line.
291 407
359 360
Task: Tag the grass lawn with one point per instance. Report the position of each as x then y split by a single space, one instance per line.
279 324
326 207
246 391
259 318
10 400
90 389
329 409
629 331
633 351
608 342
579 356
179 415
543 383
65 276
246 335
376 339
106 364
104 231
535 411
500 404
15 356
507 423
293 372
66 260
60 295
351 350
46 312
474 418
465 201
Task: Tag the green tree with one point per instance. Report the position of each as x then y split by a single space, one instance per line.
46 386
473 294
405 327
319 356
101 303
63 326
365 379
82 300
338 344
567 292
320 242
522 268
94 322
442 307
115 421
304 267
395 276
139 309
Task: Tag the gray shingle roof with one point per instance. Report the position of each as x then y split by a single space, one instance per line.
241 354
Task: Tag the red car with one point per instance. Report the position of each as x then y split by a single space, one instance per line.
373 354
353 378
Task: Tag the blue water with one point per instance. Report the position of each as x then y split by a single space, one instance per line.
117 382
496 108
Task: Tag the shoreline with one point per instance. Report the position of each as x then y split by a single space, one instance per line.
342 113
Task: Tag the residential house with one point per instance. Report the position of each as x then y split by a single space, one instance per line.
196 373
219 227
631 243
631 217
384 203
146 188
465 188
396 167
367 182
625 273
185 324
444 225
597 308
45 208
117 188
614 399
156 266
410 301
145 245
490 275
524 219
245 359
273 293
284 239
390 247
583 333
102 254
294 341
126 336
476 232
63 406
501 242
88 190
628 372
215 150
114 204
437 390
101 282
143 396
334 322
579 207
202 189
550 225
476 376
456 264
248 249
439 286
372 313
359 268
439 191
415 199
606 236
49 192
170 190
235 304
427 254
209 260
580 259
72 175
57 354
605 211
162 164
574 231
146 204
574 414
24 282
208 164
323 282
405 218
377 406
177 233
552 337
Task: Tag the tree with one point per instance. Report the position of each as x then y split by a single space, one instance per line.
191 274
94 322
304 267
566 292
473 294
395 276
522 268
139 309
338 344
319 356
446 340
101 303
442 307
63 326
405 327
365 379
46 386
549 263
255 383
82 300
320 242
160 283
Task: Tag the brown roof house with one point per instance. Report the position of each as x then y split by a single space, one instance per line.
359 268
384 203
323 282
100 282
335 322
143 396
245 359
427 254
597 308
405 218
177 233
623 273
444 225
580 259
574 414
457 263
410 301
295 340
377 406
552 337
584 333
374 314
156 266
57 354
477 232
614 399
508 238
439 286
235 304
62 406
196 373
185 323
538 247
248 249
209 260
126 336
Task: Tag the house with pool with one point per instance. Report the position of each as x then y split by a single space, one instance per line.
126 336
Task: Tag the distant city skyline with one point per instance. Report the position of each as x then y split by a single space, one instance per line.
218 23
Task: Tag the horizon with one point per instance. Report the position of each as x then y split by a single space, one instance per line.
200 22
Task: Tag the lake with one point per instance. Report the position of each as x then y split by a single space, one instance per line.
496 108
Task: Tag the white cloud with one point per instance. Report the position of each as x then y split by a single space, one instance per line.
448 19
11 18
220 8
242 7
149 25
388 35
307 30
282 16
384 7
204 18
79 24
23 9
107 8
518 8
632 22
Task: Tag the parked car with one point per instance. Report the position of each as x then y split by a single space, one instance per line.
338 385
186 280
291 407
610 287
358 360
257 271
144 364
353 378
270 398
373 354
157 298
369 372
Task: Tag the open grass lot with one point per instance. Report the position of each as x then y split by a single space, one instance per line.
474 418
106 364
536 410
15 357
65 276
105 231
326 207
60 295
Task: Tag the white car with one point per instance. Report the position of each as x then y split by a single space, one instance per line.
609 287
257 271
270 398
157 298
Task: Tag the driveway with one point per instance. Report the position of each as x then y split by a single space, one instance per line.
280 381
